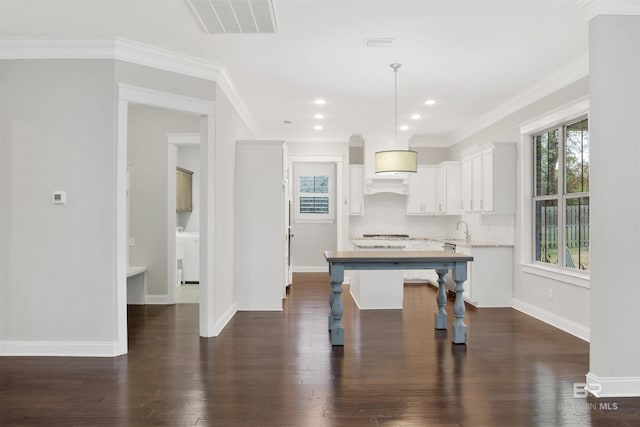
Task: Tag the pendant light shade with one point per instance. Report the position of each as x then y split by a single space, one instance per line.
391 162
396 162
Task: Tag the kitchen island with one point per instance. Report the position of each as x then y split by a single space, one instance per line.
440 261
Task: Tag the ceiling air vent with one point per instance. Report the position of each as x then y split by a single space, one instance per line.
234 16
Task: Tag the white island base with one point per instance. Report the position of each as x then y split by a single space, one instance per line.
377 289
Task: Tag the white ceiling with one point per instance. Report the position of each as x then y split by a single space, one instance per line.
470 56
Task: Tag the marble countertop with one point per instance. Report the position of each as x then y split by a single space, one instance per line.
394 242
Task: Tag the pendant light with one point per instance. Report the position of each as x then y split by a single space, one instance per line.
392 162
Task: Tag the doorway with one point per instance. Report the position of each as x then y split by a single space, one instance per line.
183 272
315 226
204 109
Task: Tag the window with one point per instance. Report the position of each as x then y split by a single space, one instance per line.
561 196
313 193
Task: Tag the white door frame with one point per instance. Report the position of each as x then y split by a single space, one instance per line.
128 94
338 160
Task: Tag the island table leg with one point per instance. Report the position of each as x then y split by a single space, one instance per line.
441 316
336 327
459 329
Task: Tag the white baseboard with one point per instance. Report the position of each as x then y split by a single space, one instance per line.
226 318
156 299
569 326
614 386
311 269
59 348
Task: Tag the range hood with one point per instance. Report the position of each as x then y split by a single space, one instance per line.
387 184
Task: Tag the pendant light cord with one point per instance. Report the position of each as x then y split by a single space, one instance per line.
395 67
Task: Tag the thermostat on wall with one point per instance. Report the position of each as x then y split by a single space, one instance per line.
59 197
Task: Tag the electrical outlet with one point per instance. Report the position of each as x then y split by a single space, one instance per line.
132 242
550 294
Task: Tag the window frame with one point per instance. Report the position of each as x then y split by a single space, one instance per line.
560 196
300 217
569 112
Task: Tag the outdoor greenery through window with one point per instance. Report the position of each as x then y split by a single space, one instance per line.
314 194
561 195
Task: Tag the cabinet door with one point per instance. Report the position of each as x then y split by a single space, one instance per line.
467 182
441 190
428 178
476 182
487 181
179 191
356 195
415 198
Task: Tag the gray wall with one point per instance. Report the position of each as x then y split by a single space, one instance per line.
614 57
58 271
147 159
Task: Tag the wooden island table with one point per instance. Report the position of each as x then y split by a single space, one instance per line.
441 261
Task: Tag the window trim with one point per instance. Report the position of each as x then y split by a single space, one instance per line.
315 218
562 115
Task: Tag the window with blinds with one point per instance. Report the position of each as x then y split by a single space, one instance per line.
314 194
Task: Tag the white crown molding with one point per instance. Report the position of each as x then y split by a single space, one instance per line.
568 74
610 7
229 89
133 52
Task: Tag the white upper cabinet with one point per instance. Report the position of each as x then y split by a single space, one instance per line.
356 190
488 179
448 188
435 190
421 199
466 185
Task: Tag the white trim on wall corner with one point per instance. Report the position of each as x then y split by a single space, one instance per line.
225 319
229 89
614 386
60 348
569 326
610 7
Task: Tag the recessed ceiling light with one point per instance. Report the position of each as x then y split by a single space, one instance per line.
404 127
430 102
317 127
319 116
320 102
415 117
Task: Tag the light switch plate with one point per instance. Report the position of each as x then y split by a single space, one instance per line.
59 198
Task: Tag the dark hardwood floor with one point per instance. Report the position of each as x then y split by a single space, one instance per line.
279 369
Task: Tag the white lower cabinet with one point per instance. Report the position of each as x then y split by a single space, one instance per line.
489 276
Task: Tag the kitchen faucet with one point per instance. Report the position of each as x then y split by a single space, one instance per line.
467 236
